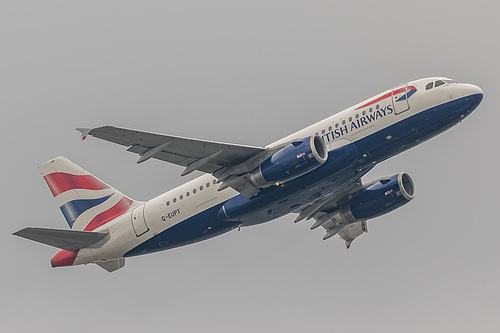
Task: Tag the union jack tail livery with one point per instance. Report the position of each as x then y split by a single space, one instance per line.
88 204
85 201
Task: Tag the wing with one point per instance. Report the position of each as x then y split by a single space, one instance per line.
175 149
326 213
228 162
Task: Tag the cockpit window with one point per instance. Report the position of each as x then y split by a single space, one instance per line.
439 83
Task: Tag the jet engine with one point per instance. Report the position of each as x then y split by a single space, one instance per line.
376 199
383 197
292 161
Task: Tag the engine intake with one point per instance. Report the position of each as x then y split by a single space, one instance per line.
292 161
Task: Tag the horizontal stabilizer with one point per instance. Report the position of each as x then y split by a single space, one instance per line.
70 240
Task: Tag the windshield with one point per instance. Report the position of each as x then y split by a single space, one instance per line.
438 83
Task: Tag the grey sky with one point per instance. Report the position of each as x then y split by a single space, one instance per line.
249 72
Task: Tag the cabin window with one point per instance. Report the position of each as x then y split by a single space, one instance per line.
323 132
343 122
371 110
357 115
429 85
330 128
187 194
181 197
168 203
214 181
208 184
377 107
337 125
174 200
201 188
350 118
194 191
439 83
364 112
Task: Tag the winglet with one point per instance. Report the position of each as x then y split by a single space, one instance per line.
84 131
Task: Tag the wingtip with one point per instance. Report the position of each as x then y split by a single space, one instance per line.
18 233
84 131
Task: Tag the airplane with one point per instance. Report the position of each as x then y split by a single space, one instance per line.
315 173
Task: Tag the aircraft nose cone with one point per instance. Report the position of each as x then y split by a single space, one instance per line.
470 90
473 96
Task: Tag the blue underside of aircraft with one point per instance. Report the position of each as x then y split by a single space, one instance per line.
344 166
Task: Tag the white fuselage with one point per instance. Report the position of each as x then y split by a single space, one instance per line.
361 121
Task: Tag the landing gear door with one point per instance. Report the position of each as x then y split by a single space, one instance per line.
400 99
138 221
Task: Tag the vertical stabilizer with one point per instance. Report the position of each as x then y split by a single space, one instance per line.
85 201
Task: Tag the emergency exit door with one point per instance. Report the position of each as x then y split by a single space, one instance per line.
138 221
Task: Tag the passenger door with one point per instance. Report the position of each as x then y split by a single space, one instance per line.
400 99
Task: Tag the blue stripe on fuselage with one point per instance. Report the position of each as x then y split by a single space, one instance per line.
403 135
194 229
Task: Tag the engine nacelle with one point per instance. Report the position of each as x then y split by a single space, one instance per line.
377 199
292 161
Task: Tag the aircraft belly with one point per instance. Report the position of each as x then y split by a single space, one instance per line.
201 226
297 200
280 200
277 201
287 197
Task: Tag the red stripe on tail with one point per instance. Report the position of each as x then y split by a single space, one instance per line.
60 182
64 258
121 207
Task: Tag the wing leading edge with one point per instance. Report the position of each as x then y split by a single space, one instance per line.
228 162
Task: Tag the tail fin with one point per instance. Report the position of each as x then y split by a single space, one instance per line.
85 201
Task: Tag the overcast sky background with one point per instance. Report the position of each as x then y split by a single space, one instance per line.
249 72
